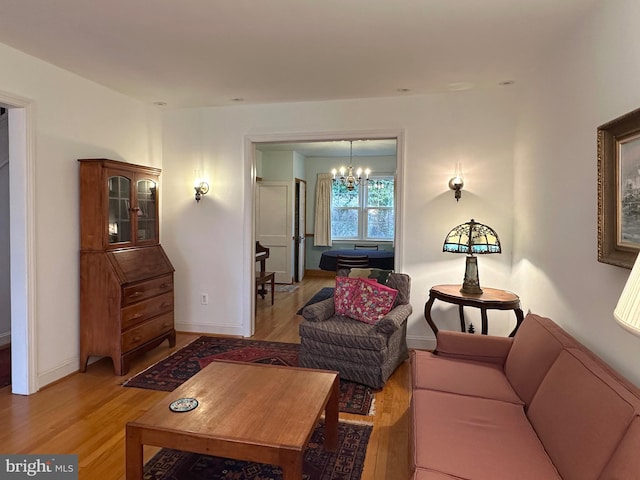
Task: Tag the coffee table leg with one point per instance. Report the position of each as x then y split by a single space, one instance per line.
331 417
133 454
292 470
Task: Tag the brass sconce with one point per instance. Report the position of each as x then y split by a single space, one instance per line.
200 186
457 182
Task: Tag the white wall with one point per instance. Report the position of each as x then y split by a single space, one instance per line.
591 77
73 118
210 243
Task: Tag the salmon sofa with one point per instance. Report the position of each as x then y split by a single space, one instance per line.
534 407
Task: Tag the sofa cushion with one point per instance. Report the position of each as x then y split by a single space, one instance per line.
476 438
373 301
424 474
480 348
377 274
535 347
625 462
581 414
465 377
347 289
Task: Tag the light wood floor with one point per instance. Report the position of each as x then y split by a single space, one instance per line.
86 413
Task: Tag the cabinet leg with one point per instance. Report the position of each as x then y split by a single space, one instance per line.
172 339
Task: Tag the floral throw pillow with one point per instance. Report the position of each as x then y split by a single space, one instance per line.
347 289
373 301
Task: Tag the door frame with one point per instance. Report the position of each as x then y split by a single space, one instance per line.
250 141
22 243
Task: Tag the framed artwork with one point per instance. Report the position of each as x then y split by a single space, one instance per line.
619 190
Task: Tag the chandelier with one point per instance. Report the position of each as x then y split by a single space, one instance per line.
347 178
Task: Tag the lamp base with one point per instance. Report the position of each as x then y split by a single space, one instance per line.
471 284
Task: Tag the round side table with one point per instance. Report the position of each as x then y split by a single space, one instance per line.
489 299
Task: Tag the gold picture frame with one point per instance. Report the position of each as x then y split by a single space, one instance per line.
619 190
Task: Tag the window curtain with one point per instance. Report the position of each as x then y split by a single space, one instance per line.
322 234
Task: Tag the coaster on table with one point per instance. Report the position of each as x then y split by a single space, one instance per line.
183 405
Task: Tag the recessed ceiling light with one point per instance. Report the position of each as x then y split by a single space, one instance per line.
160 104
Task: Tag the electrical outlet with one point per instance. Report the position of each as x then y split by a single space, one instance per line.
204 298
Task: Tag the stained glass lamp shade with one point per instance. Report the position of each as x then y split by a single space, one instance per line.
472 238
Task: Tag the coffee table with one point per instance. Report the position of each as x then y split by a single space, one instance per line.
252 412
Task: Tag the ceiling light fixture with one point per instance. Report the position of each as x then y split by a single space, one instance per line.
347 178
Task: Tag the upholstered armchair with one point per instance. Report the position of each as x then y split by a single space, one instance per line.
366 353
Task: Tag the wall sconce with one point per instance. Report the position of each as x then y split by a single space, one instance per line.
201 187
457 182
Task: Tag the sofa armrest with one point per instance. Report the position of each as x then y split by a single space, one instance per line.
320 311
482 348
394 319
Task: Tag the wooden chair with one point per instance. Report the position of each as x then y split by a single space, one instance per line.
365 247
349 261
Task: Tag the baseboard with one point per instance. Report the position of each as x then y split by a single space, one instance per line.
421 343
65 369
207 328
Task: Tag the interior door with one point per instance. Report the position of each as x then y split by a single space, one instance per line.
301 210
274 226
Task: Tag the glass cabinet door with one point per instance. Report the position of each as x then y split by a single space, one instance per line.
119 209
147 204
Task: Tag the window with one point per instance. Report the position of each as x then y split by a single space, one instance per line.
364 213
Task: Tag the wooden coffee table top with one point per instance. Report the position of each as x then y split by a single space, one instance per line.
246 403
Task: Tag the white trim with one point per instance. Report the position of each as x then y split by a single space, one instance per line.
421 343
207 328
250 186
24 379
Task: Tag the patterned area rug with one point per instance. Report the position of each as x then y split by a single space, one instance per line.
344 464
173 371
282 288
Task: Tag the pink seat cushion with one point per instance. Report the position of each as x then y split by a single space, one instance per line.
465 377
422 474
476 438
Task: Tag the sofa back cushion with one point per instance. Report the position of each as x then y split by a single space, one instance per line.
625 462
535 348
581 413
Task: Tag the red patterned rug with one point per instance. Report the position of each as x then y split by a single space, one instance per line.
173 371
346 463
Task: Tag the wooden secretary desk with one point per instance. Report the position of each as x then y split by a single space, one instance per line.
126 279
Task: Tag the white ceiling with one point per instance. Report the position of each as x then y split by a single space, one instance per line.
208 52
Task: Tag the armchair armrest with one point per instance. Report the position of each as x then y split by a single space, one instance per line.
482 348
318 312
394 319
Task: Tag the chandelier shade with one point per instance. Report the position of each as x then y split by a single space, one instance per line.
472 238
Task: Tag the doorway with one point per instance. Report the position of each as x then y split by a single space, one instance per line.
21 243
256 160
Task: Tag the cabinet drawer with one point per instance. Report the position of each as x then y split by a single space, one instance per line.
146 331
139 312
148 289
